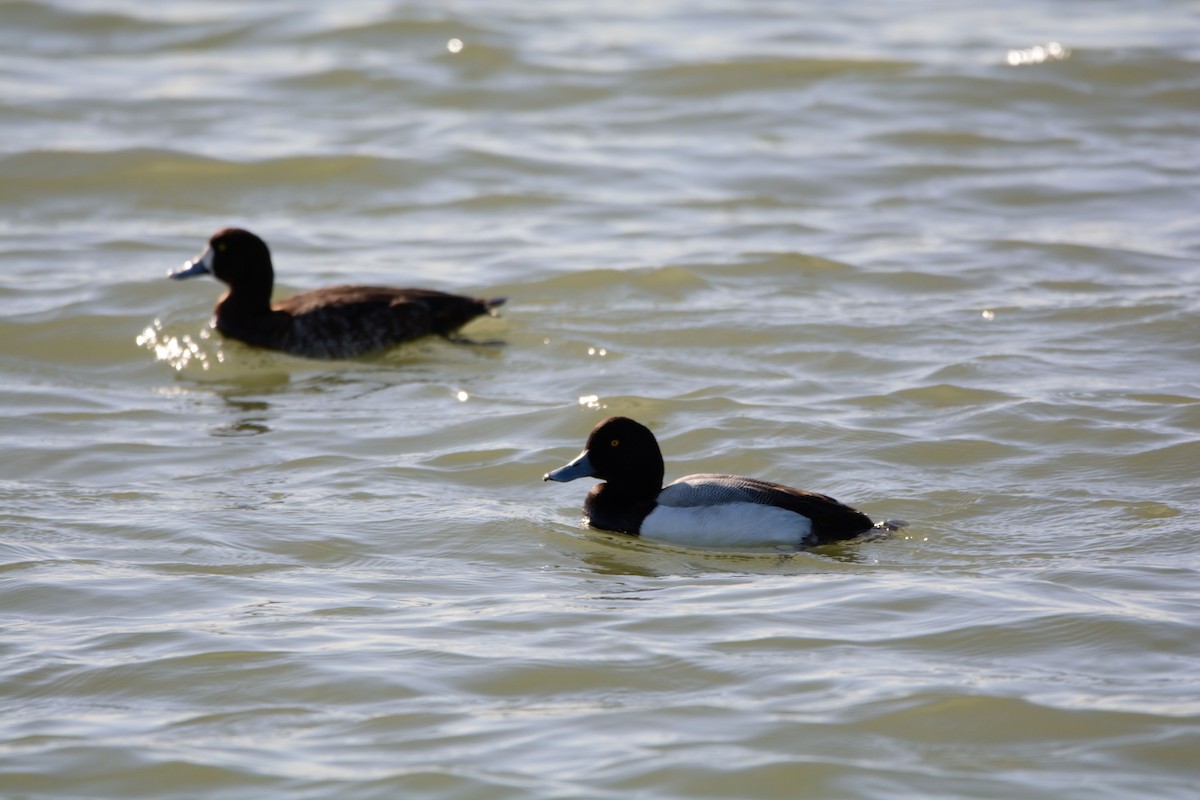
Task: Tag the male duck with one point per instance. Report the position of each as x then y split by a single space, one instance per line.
335 322
701 510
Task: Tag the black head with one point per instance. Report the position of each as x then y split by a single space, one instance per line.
620 451
239 255
236 257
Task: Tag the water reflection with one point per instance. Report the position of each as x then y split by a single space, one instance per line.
184 351
1038 54
615 554
251 421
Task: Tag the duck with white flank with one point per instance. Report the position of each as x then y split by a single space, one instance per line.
699 510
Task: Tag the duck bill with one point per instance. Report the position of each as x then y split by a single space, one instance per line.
581 467
200 265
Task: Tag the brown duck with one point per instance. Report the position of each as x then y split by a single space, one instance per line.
334 322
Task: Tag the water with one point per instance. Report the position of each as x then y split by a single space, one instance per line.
896 253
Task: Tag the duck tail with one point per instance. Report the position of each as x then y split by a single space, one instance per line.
492 303
891 525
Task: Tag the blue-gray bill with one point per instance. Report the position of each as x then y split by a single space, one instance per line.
200 265
581 467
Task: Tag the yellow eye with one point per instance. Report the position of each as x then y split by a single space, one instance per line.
220 248
614 443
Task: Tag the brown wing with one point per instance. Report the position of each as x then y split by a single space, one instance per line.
345 321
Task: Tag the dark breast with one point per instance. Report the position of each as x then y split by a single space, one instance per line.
608 510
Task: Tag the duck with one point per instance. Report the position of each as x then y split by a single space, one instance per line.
705 510
329 323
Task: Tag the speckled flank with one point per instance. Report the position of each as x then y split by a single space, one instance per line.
349 321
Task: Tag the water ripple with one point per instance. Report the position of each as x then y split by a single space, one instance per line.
841 247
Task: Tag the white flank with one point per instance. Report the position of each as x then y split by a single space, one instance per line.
727 525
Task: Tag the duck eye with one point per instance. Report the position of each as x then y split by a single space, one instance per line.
221 248
614 443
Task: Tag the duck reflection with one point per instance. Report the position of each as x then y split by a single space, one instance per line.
251 421
615 554
246 400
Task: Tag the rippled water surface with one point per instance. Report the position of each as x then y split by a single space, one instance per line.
941 263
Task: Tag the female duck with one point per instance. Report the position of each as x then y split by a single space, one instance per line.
701 510
336 322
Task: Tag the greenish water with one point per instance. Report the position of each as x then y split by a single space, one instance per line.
896 254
